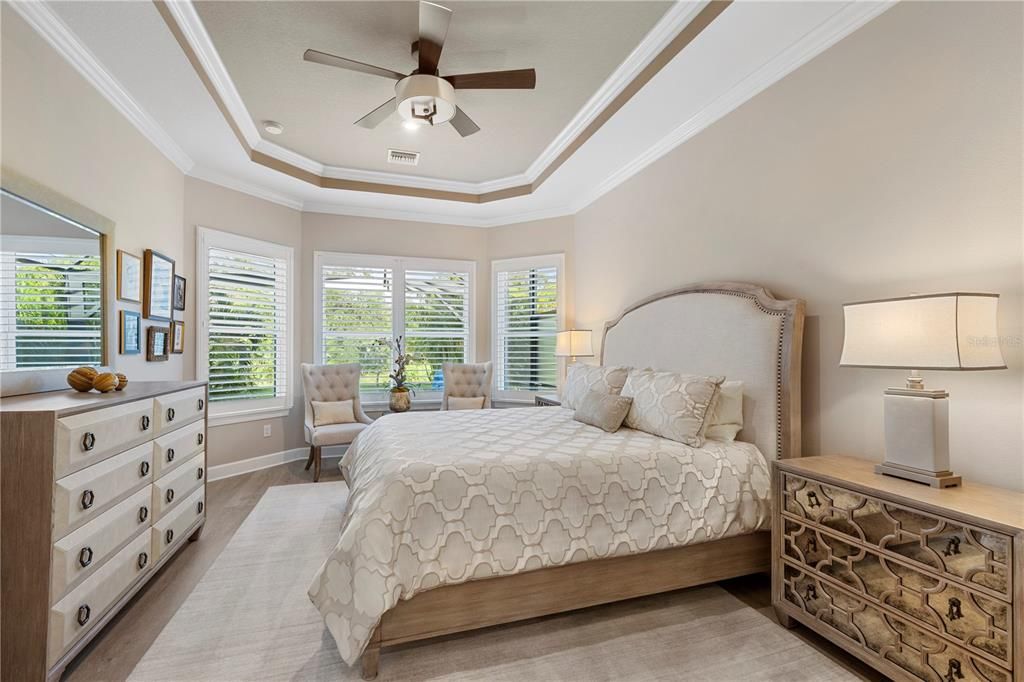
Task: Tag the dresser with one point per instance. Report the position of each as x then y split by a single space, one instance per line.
919 582
98 492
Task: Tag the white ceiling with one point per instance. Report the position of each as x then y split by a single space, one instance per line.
127 51
574 47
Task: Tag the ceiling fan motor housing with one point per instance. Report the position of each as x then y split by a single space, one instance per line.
418 95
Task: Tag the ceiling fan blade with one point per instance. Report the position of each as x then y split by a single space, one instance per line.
463 124
350 64
518 79
378 115
434 21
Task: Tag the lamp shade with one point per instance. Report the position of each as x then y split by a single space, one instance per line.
574 343
953 331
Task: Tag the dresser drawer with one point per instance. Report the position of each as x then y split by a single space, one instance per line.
85 439
80 553
171 449
174 410
975 620
170 530
169 491
980 557
876 631
84 606
87 493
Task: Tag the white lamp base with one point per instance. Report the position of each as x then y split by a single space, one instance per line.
917 437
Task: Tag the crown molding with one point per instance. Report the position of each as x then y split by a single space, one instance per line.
55 32
215 178
816 41
436 218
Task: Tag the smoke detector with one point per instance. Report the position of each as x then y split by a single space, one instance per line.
403 158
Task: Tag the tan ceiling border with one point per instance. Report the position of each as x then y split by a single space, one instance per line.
687 35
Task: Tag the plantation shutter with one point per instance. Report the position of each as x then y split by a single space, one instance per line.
356 310
526 322
50 312
247 315
436 324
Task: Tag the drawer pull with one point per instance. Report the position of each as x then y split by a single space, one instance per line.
169 495
199 473
811 593
952 546
170 414
88 441
83 614
200 403
199 439
85 557
144 469
170 454
199 507
954 609
812 545
143 514
143 560
812 500
954 672
88 497
169 535
145 422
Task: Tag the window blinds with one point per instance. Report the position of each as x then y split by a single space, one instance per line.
436 323
357 310
526 322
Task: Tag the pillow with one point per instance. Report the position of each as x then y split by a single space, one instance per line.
465 403
727 417
582 378
671 405
334 412
602 410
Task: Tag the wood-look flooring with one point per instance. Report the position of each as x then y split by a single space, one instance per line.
114 653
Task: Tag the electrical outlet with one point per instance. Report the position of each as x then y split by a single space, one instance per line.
266 430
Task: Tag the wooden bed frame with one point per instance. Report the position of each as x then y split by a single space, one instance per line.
505 599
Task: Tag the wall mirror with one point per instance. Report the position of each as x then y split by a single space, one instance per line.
52 302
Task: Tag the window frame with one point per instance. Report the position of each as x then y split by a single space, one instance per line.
556 260
222 412
398 265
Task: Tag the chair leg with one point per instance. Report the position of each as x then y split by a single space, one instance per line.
316 465
309 460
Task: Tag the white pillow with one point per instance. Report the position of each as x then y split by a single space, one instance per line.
727 417
580 379
465 403
671 405
333 412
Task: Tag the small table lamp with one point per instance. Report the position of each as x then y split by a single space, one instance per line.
574 343
953 331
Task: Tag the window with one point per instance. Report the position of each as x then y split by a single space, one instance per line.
361 299
244 307
527 316
51 313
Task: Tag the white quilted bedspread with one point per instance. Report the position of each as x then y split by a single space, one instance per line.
444 497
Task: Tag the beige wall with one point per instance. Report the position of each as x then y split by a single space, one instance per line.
888 165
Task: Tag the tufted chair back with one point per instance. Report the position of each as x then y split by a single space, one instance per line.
471 380
329 383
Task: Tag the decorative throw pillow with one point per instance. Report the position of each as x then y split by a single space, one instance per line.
333 412
465 403
727 417
671 405
582 378
602 410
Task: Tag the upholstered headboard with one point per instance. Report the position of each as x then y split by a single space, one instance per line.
723 328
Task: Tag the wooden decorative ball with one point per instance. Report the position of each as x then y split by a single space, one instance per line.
105 382
122 381
81 379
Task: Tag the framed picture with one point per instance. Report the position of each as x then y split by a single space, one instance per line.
129 277
130 340
179 292
157 343
177 337
158 288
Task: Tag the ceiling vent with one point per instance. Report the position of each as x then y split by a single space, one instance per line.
403 158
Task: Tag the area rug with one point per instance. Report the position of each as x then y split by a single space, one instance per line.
249 619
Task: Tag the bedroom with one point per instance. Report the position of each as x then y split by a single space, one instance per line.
829 153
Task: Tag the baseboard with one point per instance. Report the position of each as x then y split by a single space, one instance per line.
246 466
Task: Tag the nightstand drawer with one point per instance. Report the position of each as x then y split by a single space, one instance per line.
881 633
978 557
977 621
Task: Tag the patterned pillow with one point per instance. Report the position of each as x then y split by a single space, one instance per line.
671 405
582 378
602 410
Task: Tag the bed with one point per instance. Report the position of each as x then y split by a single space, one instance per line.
462 520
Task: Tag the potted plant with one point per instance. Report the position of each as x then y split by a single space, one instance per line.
399 399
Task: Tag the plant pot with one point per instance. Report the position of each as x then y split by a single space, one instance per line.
400 400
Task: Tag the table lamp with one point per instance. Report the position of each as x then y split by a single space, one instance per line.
955 331
574 343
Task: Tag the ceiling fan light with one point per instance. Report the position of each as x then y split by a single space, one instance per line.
412 124
425 98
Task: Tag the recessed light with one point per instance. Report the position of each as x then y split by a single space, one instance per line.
273 127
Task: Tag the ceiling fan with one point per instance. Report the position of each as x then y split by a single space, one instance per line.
423 97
